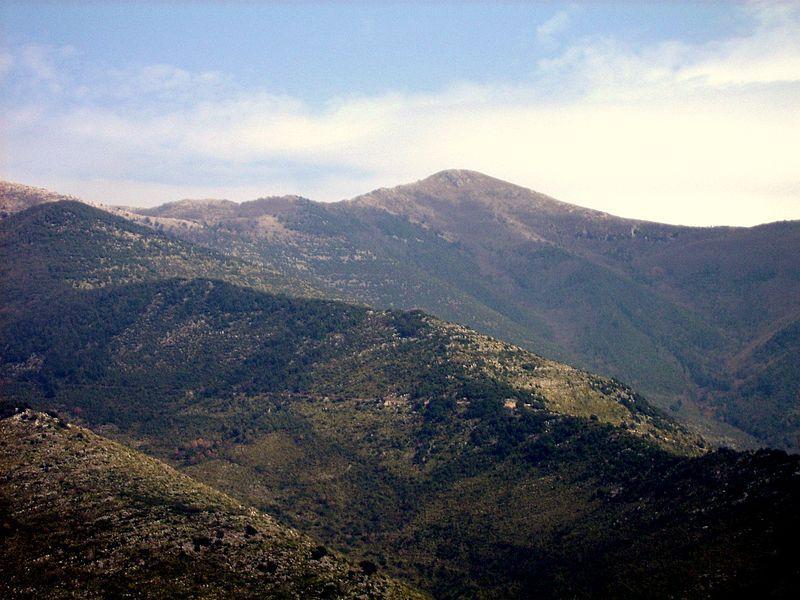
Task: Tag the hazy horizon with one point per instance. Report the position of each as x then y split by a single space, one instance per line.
685 114
267 196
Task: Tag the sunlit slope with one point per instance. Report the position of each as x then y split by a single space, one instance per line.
86 517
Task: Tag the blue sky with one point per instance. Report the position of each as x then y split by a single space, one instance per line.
680 112
313 51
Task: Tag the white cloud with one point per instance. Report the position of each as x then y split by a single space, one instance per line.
547 31
771 53
677 132
44 62
37 59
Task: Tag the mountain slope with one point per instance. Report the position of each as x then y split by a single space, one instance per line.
86 517
361 253
56 248
764 395
692 298
164 339
15 197
465 465
666 308
673 310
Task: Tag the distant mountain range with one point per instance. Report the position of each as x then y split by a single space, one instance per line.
703 321
418 448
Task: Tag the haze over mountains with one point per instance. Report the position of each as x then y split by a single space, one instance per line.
214 336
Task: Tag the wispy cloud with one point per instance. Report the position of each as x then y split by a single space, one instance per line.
699 133
559 22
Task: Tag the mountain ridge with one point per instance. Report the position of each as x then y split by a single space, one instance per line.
457 177
667 308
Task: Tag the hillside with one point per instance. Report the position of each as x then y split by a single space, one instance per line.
15 197
362 253
167 339
462 464
85 517
678 312
696 298
672 310
459 463
59 248
118 303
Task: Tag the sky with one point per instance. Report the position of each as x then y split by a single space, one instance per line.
683 113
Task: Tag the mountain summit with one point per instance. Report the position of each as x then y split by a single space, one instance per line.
467 203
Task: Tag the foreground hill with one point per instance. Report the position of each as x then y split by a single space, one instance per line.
465 465
685 314
85 517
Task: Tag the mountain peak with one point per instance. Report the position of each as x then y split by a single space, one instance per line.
465 203
461 181
458 177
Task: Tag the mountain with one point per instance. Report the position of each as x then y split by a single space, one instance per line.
676 311
700 299
174 342
86 517
57 248
684 314
461 464
15 197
